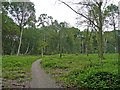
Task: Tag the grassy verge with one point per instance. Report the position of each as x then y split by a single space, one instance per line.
83 71
16 69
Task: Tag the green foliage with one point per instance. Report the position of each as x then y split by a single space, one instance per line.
83 71
42 45
94 79
34 40
57 63
14 67
9 33
21 80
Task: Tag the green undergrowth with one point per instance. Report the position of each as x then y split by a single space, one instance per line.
83 71
17 67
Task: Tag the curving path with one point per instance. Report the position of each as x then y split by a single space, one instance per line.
39 78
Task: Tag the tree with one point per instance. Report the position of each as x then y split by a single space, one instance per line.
9 31
62 26
9 35
96 20
21 13
44 20
112 14
61 41
118 36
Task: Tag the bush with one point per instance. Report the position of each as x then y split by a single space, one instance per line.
83 71
51 64
102 80
80 78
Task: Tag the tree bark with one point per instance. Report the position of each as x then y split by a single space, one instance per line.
44 42
100 32
116 43
21 30
100 44
42 53
119 54
60 43
27 48
87 47
20 41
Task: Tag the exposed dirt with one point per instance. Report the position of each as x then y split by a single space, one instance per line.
39 79
17 83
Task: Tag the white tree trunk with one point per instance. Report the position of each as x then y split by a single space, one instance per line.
42 53
20 42
27 48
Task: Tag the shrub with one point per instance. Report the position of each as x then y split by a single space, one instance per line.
49 64
80 78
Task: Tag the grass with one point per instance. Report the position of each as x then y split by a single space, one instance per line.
17 67
72 70
83 71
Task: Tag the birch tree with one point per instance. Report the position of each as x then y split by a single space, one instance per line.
21 12
44 21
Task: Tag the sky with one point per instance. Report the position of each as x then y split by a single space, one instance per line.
55 9
58 10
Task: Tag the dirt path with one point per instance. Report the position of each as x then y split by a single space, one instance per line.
39 78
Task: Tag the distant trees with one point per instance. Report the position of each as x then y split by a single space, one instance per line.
50 36
96 18
112 19
9 35
73 41
44 20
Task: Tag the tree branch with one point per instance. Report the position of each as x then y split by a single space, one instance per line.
79 13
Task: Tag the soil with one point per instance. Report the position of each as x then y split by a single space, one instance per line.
8 83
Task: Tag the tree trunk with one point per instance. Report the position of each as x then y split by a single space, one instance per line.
44 42
27 48
12 49
21 29
42 53
119 65
105 45
119 55
60 43
84 47
100 44
100 32
87 42
2 46
30 50
116 43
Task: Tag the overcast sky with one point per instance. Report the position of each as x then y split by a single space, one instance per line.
58 10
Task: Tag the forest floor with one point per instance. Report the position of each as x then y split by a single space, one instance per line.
16 71
82 71
72 70
39 78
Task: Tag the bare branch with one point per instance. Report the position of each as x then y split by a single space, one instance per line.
79 13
